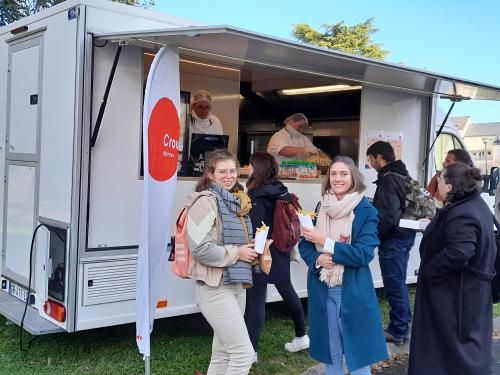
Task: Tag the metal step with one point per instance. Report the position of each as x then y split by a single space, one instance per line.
12 308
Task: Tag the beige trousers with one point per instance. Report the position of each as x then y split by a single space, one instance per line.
224 307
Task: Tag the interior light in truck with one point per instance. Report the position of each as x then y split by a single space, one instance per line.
318 89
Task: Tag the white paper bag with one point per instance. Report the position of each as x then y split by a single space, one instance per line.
414 224
260 240
306 221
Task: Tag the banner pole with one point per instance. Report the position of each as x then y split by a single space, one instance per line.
147 369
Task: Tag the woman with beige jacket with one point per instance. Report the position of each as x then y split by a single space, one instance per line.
219 235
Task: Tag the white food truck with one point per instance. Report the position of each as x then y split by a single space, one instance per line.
71 91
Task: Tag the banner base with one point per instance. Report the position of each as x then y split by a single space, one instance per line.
147 368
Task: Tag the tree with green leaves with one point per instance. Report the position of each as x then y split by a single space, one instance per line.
354 39
13 10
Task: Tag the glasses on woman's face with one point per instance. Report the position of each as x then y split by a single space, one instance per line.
226 172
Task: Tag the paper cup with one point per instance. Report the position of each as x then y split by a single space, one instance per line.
260 241
306 221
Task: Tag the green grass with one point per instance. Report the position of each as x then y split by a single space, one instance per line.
178 346
496 310
384 305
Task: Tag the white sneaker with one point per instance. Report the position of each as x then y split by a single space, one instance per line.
254 360
297 344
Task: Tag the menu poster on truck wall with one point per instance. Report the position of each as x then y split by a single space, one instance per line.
396 141
394 138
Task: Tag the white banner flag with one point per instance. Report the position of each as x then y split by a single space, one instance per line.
160 136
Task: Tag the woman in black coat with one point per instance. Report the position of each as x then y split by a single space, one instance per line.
264 189
453 322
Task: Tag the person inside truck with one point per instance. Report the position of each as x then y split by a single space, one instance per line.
202 119
290 143
453 156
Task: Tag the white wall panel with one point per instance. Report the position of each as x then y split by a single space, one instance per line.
20 213
23 116
115 185
58 118
391 111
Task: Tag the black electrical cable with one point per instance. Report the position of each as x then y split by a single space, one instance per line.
28 295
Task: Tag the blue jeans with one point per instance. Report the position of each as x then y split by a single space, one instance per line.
333 303
393 254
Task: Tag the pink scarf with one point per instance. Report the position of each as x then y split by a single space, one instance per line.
335 219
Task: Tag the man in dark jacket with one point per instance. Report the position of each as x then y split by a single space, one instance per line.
395 242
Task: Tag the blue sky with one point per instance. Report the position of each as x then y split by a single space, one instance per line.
458 38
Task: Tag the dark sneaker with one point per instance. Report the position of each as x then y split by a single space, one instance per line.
407 337
408 334
396 340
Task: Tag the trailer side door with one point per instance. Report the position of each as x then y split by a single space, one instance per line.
22 155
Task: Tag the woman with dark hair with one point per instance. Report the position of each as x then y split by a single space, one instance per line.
344 316
452 324
264 189
219 236
453 156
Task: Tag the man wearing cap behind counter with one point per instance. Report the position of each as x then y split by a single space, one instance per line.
290 143
202 119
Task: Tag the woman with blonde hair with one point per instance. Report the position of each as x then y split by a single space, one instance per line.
344 316
219 235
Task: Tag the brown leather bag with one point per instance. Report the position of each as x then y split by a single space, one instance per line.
266 259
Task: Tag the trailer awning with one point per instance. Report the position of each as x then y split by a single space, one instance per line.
245 49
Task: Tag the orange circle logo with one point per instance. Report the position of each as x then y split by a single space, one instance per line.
163 140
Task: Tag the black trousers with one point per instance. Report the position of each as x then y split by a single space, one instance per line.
255 311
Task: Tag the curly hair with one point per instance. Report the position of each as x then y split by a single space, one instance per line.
464 181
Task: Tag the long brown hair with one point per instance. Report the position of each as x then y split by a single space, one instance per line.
213 158
265 170
357 178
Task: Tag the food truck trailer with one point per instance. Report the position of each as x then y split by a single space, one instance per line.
71 92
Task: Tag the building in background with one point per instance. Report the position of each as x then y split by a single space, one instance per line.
482 141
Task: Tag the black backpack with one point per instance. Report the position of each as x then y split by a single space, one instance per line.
495 283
